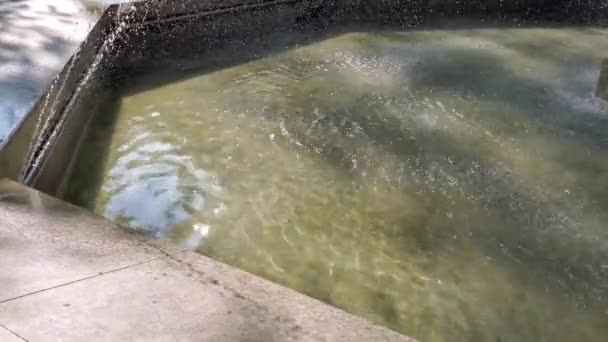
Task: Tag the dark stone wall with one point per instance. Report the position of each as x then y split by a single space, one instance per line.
171 28
583 11
411 12
408 12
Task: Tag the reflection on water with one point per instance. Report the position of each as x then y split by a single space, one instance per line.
451 185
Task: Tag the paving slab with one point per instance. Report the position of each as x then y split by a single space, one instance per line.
46 243
149 302
7 336
315 320
157 301
68 275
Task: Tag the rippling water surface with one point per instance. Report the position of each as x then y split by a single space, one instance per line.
451 185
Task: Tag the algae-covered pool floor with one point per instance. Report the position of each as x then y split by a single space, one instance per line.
450 185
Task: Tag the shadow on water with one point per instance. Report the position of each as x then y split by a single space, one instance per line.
466 72
201 55
213 54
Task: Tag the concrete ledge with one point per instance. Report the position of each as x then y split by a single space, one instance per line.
68 275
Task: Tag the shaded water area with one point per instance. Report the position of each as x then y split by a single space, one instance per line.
450 185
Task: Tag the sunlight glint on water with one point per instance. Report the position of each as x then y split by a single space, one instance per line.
451 185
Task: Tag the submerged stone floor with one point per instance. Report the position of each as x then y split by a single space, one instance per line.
67 275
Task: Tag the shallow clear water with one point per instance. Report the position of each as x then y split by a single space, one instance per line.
451 185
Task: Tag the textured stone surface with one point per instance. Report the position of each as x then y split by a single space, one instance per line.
44 243
7 336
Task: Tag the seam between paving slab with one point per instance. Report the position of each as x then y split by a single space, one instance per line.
13 333
76 281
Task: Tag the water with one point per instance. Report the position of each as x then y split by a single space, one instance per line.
451 185
37 37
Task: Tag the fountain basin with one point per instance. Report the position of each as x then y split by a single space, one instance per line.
409 159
